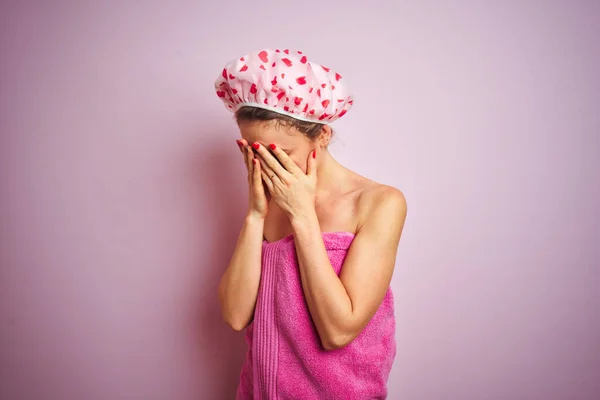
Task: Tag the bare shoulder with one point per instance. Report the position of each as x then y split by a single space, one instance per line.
375 195
379 204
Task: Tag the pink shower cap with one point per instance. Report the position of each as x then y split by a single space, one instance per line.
285 82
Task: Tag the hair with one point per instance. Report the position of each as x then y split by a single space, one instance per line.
311 130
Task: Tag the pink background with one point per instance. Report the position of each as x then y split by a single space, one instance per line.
123 190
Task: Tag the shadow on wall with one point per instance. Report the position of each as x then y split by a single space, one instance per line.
220 177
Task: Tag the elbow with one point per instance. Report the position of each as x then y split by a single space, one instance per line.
236 323
336 342
336 337
330 346
236 319
238 327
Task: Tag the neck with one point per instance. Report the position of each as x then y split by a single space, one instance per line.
329 172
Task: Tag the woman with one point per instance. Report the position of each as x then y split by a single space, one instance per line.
310 275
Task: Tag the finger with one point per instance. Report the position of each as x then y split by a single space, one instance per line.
270 160
244 153
265 167
269 176
257 178
249 156
285 160
242 145
311 165
267 180
266 190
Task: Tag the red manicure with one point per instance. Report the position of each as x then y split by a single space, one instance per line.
272 146
239 143
314 154
255 145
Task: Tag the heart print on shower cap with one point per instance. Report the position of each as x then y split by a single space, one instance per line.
285 82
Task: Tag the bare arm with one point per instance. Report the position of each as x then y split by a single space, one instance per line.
341 307
238 288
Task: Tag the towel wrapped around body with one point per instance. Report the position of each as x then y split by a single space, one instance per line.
285 358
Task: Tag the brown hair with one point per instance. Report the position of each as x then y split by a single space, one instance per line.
312 130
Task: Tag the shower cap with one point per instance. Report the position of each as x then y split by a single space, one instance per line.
285 82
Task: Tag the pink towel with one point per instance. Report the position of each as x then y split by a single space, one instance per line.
285 359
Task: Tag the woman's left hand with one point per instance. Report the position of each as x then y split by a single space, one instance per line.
292 189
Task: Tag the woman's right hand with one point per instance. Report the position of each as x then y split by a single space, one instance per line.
258 197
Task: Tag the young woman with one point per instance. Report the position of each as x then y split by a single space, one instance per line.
310 276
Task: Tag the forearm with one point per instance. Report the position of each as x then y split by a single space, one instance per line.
327 299
238 288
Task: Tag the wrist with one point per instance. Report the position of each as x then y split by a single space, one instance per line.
254 219
304 219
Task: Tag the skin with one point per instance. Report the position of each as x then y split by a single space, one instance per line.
306 196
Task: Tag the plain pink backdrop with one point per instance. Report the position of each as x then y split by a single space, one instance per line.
123 190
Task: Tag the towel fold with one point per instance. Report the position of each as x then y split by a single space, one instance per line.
285 359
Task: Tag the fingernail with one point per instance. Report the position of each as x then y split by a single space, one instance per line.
272 146
314 154
239 143
255 145
254 160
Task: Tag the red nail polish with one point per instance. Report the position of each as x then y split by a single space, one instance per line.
314 154
254 160
239 143
272 146
255 145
